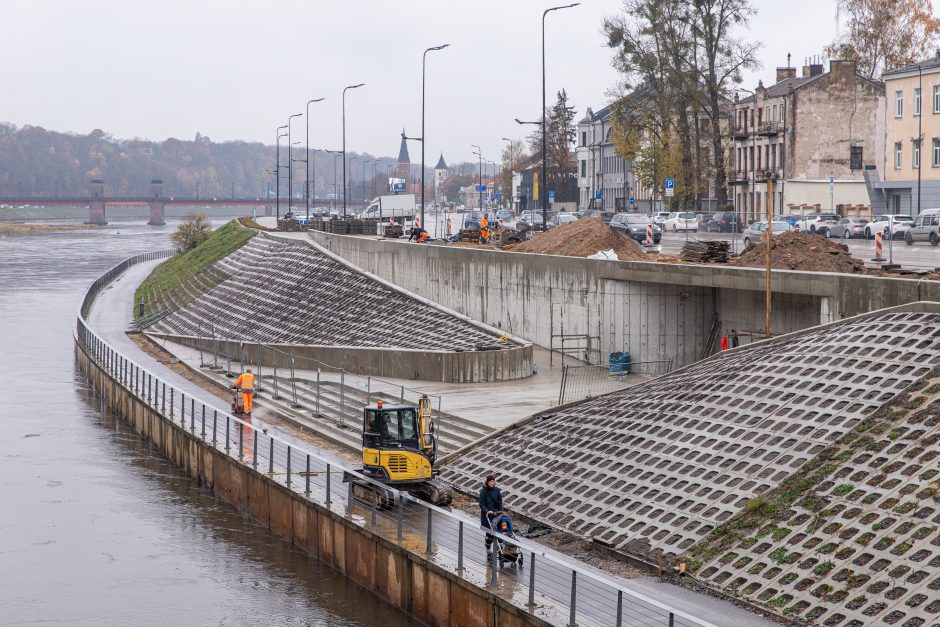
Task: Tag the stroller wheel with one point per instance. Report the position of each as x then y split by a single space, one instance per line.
520 561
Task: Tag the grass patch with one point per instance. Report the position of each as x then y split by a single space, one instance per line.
177 270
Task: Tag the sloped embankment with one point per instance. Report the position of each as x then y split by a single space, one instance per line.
183 278
854 537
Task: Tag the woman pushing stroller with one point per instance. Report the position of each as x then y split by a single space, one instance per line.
491 501
493 518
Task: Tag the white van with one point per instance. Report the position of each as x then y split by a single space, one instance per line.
926 228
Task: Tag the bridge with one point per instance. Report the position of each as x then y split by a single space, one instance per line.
97 202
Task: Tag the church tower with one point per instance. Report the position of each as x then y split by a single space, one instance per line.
404 161
440 175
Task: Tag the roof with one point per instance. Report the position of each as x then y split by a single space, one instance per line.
403 150
440 163
783 87
927 64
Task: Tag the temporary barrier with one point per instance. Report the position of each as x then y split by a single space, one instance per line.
649 234
879 247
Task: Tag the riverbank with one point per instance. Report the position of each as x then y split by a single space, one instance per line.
18 228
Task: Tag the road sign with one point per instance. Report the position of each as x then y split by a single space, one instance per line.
670 186
597 195
481 188
632 201
551 196
832 181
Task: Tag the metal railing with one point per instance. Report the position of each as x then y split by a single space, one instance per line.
553 588
582 382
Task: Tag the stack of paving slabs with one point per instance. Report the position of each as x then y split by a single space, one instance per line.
698 251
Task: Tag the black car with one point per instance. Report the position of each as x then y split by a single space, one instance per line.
724 222
634 225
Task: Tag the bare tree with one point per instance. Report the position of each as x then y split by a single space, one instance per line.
882 34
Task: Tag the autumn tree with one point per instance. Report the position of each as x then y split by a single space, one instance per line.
513 156
883 34
192 231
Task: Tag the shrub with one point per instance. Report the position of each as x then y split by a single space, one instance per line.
192 231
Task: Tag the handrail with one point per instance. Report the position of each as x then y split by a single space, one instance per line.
599 593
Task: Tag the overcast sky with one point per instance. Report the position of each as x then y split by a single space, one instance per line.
233 69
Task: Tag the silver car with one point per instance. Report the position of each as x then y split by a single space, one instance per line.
848 228
757 231
926 228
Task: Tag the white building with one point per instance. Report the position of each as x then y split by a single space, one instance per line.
605 180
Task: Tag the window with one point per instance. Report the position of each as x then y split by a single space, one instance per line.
936 152
936 98
916 159
583 168
898 103
584 138
897 155
916 101
855 157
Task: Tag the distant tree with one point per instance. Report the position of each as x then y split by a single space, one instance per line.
561 134
884 34
194 230
513 155
452 186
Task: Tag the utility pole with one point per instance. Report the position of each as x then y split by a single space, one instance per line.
768 293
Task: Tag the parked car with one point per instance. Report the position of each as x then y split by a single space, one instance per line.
562 218
926 227
757 230
896 223
704 219
818 222
681 222
849 227
635 225
660 216
791 218
724 222
505 215
606 216
530 221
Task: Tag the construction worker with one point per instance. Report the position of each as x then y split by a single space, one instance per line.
246 383
419 235
491 502
484 230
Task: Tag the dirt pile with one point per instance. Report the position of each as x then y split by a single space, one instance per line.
801 251
581 238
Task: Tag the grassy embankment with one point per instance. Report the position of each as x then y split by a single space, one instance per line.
165 284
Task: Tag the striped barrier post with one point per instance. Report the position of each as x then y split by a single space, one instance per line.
649 234
879 247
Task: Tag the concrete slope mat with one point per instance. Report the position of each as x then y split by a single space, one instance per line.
658 466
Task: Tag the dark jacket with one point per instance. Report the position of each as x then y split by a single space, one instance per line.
491 500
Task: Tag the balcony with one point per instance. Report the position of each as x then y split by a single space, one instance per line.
738 177
769 128
739 132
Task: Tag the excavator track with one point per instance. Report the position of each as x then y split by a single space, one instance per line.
366 492
433 492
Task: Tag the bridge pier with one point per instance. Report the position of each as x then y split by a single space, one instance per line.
96 213
157 203
268 211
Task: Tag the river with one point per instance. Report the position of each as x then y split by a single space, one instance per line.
97 529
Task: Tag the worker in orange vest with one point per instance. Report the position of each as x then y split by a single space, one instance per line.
484 230
246 383
724 342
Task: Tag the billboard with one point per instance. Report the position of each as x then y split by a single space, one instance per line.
396 186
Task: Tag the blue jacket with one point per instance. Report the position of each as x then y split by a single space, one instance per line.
491 500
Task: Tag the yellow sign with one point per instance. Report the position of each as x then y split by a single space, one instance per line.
535 186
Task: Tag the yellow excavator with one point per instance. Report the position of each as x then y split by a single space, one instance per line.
398 449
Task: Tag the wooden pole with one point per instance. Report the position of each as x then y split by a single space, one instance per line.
767 281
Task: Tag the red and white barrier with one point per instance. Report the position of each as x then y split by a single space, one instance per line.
649 234
879 247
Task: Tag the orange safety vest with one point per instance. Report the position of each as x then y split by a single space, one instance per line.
246 382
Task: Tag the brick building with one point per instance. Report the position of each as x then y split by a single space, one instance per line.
813 135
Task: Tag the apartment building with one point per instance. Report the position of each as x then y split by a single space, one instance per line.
605 180
910 167
811 136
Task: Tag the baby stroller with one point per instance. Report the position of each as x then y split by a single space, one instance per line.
506 552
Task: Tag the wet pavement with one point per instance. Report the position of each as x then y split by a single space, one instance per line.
97 528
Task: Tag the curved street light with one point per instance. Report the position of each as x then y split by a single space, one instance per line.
345 89
311 179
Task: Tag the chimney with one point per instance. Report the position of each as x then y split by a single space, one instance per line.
784 73
805 71
815 66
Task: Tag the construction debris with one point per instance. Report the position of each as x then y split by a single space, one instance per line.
582 238
697 251
794 250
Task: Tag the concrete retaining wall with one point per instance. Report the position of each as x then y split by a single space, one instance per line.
452 367
653 310
402 578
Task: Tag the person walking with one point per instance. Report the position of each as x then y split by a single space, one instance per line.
246 384
491 501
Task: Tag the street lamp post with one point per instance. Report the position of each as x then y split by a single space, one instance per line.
304 161
544 198
290 165
423 64
277 169
511 190
310 179
351 159
344 143
336 155
479 153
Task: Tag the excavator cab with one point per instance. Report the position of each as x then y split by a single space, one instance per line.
395 443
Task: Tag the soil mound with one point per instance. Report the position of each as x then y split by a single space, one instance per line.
801 251
582 238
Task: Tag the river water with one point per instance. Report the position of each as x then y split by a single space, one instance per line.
97 529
